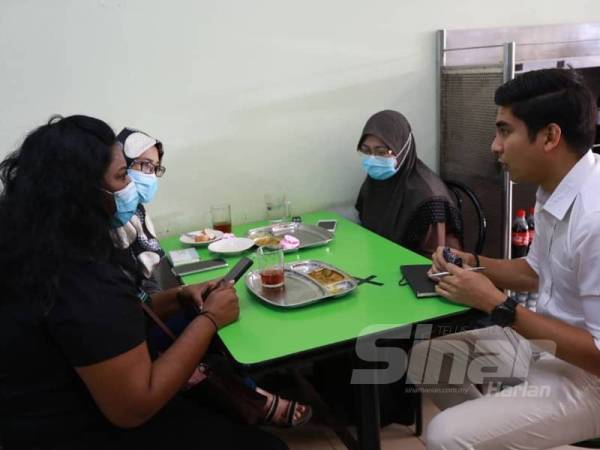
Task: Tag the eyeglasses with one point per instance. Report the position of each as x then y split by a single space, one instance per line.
148 167
380 150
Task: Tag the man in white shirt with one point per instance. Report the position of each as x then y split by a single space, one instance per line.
545 126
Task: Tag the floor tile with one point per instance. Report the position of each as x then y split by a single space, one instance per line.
313 437
400 437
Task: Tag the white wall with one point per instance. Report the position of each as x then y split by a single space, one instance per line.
246 95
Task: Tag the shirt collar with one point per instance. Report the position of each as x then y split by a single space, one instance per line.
560 200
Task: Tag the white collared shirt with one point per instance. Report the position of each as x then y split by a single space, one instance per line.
566 249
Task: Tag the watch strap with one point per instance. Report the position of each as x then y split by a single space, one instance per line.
504 314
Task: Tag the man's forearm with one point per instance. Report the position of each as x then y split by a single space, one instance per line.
514 274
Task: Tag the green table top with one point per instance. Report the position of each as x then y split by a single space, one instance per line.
264 332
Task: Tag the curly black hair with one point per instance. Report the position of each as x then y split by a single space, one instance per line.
52 207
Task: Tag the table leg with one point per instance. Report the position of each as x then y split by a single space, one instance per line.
368 419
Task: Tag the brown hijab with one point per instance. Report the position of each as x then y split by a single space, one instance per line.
402 207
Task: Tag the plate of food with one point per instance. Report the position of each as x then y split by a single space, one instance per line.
201 238
305 282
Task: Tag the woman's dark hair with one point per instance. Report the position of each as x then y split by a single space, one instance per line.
53 209
559 96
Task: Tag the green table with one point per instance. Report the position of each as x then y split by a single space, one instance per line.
265 333
268 335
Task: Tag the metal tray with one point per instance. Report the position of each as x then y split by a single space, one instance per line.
299 288
308 235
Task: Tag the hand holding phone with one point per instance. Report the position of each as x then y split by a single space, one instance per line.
221 302
222 305
451 257
442 254
233 275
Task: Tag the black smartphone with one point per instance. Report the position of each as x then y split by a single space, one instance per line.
238 270
234 274
329 225
199 266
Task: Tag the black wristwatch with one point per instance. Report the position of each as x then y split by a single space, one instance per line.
505 313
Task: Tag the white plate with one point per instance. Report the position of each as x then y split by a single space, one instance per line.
187 238
231 246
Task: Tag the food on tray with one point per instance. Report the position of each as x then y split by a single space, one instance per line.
289 242
326 276
267 240
335 289
203 236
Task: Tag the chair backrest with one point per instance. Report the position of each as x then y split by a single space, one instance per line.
460 192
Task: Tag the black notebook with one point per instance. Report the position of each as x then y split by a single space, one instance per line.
417 279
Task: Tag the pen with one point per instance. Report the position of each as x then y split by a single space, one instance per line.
445 274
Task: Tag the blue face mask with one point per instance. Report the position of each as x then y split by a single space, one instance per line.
382 167
145 183
126 203
379 167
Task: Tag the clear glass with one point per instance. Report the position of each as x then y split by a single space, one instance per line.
271 267
277 207
221 217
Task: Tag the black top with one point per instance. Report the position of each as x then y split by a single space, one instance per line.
95 316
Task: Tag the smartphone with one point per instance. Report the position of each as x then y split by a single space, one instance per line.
199 266
238 270
329 225
234 274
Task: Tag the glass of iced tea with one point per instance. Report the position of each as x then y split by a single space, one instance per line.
221 217
270 267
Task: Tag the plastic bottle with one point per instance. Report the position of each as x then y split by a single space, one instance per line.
520 235
522 297
531 225
532 300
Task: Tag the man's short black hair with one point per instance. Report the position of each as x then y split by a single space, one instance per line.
559 96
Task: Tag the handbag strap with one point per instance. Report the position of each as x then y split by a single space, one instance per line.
157 321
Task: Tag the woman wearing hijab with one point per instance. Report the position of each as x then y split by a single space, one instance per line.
402 199
140 253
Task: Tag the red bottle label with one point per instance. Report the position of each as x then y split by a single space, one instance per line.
520 238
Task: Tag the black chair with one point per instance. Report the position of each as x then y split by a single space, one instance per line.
460 192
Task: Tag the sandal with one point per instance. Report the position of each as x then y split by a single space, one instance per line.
280 416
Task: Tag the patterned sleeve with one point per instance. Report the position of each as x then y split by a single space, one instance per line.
432 212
